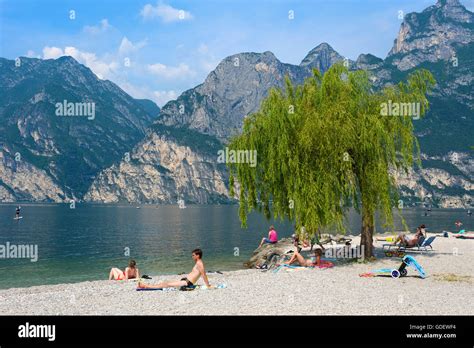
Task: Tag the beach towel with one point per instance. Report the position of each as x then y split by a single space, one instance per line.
197 287
324 265
407 261
464 237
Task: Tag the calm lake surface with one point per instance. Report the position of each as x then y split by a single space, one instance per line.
84 243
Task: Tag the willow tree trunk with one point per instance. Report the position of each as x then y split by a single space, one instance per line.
367 233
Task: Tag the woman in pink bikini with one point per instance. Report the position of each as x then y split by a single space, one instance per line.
131 272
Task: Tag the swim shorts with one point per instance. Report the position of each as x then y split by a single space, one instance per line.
187 281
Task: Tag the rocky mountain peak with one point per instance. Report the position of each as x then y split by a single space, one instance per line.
368 62
65 148
448 4
119 156
229 93
321 57
242 63
433 34
452 9
66 60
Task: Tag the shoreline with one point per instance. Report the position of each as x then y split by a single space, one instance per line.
447 290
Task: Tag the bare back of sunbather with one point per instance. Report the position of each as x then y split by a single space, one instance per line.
194 275
301 260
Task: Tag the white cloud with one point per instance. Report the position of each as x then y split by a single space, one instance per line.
126 46
171 72
96 29
52 52
165 12
32 54
110 66
206 58
203 49
142 92
103 70
162 97
209 65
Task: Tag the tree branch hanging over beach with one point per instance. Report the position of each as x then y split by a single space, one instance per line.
328 145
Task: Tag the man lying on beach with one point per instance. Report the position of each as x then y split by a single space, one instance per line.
313 262
131 272
189 281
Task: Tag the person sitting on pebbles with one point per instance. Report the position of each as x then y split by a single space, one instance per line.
314 261
131 272
186 282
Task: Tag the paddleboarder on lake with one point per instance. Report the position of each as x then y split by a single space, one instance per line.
17 212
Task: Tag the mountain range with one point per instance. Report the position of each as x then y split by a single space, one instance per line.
134 152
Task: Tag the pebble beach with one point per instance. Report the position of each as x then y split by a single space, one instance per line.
448 289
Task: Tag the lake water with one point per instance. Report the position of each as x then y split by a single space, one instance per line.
84 243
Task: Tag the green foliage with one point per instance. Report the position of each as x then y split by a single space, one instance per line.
324 147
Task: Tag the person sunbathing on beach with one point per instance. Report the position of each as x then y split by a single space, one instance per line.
188 281
406 241
272 237
131 272
315 260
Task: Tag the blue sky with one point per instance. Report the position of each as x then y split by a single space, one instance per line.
157 49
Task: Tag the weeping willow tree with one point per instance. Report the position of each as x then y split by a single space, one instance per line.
328 145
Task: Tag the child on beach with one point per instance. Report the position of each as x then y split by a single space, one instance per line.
131 272
189 281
